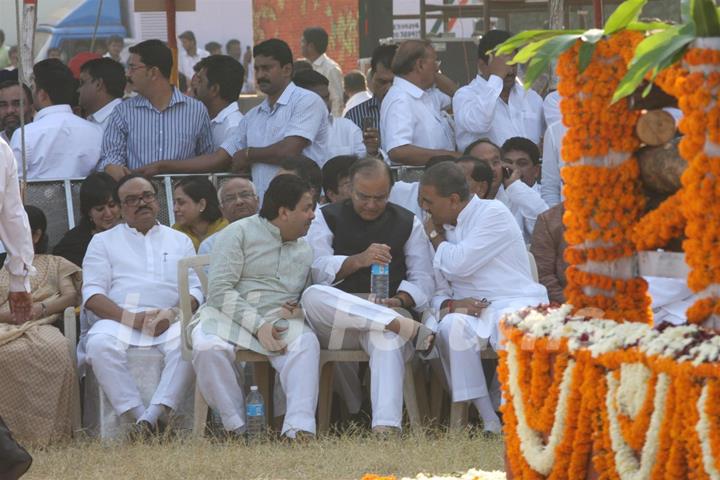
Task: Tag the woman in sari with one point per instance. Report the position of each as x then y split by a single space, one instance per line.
38 384
197 209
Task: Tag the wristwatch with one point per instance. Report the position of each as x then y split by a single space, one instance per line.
433 234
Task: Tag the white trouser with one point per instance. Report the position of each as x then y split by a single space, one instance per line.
299 371
108 357
460 347
344 321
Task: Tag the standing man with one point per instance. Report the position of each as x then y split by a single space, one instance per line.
217 84
313 44
381 79
482 270
11 92
234 49
114 50
238 200
495 105
190 54
356 90
413 125
4 52
58 143
130 291
160 122
290 121
101 89
251 306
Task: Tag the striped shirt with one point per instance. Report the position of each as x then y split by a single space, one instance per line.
369 108
139 134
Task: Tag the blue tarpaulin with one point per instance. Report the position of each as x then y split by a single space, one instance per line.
80 22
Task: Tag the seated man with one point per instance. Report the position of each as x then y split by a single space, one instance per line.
238 199
260 266
478 175
405 194
348 238
130 292
482 271
336 178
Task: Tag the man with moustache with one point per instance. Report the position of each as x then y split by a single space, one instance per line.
495 105
238 199
10 93
130 292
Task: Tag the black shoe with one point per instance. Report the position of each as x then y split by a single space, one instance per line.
142 431
14 459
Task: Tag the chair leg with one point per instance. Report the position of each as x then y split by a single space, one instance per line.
421 391
200 414
437 391
459 415
327 371
410 396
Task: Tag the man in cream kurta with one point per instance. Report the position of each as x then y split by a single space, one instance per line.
130 293
480 257
260 266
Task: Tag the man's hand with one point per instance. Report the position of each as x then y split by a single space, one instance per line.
431 227
117 171
240 162
371 139
470 306
289 310
498 65
515 175
269 337
151 170
20 307
375 253
157 323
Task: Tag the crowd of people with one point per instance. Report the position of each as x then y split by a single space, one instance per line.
292 238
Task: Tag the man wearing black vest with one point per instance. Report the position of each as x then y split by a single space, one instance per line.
347 239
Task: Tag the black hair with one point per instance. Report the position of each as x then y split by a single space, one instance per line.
127 178
26 89
38 221
474 144
334 169
383 55
355 81
283 191
200 188
489 41
154 53
522 144
408 53
55 78
481 171
276 49
305 168
318 37
213 46
447 178
225 72
2 37
370 164
110 72
97 189
231 42
188 34
310 78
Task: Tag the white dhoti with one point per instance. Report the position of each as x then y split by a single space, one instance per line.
298 369
346 322
107 346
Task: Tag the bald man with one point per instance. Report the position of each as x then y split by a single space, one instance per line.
238 199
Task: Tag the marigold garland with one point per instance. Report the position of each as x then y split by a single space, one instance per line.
661 225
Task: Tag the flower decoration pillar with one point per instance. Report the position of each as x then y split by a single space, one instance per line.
603 197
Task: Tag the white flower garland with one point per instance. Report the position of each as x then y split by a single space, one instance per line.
540 457
626 463
633 388
703 430
471 474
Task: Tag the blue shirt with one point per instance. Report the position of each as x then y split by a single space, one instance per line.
139 134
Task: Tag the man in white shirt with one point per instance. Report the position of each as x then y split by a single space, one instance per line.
290 121
348 238
552 162
356 90
238 199
551 108
313 44
405 194
495 105
130 292
217 85
58 143
189 54
10 94
344 137
115 47
101 89
413 125
482 271
336 178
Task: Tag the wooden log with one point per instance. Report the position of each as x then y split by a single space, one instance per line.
661 167
655 127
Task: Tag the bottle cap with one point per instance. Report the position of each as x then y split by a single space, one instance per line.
253 388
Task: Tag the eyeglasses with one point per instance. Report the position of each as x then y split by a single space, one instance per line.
134 200
242 196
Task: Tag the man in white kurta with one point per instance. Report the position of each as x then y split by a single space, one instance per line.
347 238
130 292
480 257
260 266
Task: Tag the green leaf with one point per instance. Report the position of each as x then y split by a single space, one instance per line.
661 38
528 52
704 14
529 36
585 55
626 12
551 50
647 26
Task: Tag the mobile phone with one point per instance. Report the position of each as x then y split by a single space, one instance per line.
368 122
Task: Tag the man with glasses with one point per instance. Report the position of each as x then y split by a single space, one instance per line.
159 123
347 239
238 199
130 292
413 125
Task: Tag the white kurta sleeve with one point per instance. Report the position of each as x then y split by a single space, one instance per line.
528 202
359 148
97 272
395 129
325 263
473 112
551 182
419 282
14 227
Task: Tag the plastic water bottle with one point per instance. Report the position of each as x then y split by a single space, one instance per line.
255 414
380 280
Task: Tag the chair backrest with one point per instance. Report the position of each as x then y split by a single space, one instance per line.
199 264
533 267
